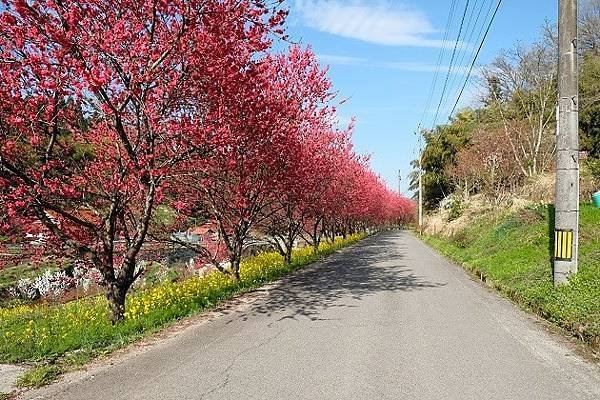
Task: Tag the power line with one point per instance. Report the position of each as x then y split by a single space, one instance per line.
420 191
476 55
478 40
451 62
462 66
428 104
439 62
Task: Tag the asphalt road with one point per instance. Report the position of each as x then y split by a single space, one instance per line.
385 319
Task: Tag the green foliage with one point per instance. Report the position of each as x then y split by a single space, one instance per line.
593 165
39 376
455 208
441 146
589 113
512 251
74 332
157 273
164 215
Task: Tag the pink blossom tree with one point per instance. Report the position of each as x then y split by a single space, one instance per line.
100 104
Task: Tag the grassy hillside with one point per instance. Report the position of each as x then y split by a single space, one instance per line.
511 252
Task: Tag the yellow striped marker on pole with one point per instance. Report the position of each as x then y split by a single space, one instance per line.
563 245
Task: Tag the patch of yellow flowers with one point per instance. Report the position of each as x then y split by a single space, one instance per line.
33 332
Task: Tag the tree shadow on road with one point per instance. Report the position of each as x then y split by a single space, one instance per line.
373 266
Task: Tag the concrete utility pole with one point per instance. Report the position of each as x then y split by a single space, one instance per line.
420 189
566 225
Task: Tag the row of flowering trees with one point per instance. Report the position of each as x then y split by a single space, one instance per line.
109 109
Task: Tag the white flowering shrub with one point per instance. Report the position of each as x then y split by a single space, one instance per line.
55 283
24 289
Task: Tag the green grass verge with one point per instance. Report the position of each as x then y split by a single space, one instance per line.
511 251
73 333
39 376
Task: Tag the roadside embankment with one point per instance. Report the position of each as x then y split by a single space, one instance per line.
510 250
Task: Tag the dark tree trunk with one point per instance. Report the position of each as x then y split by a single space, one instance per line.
287 257
117 286
314 242
316 237
289 248
116 294
235 268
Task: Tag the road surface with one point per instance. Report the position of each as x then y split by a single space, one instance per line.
385 319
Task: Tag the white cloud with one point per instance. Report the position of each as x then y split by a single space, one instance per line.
370 21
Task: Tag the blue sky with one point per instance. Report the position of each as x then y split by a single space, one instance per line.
382 56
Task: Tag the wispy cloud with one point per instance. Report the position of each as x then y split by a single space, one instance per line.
370 21
334 59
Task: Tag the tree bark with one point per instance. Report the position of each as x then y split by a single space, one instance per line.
315 236
116 294
287 259
235 268
289 247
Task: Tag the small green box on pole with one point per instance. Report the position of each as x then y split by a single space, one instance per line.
596 199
